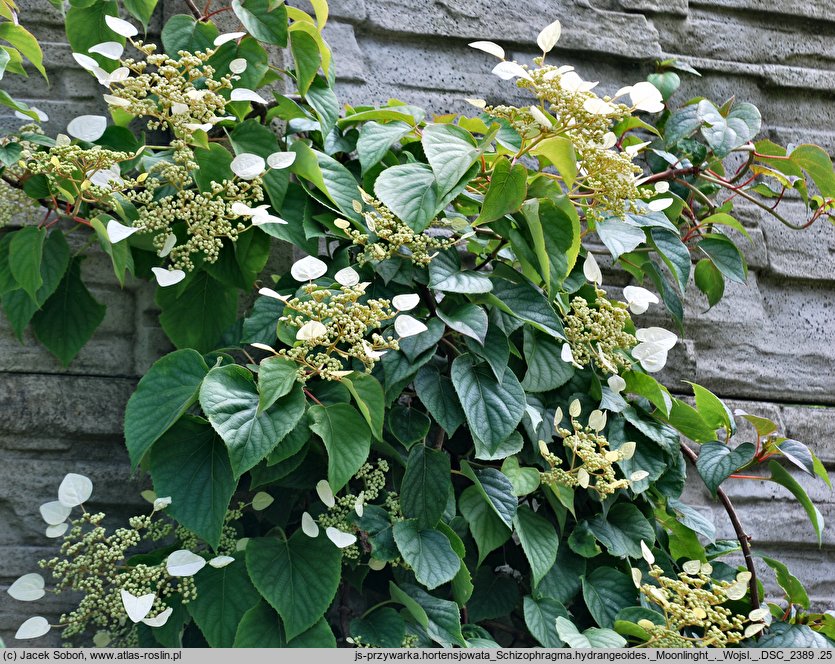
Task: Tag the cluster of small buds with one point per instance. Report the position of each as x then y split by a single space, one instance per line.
595 333
94 562
209 216
607 177
389 237
591 461
162 88
372 476
693 611
409 641
333 326
77 174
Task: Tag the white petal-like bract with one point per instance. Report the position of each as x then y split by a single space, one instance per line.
137 607
405 302
308 269
408 326
57 530
28 588
488 47
639 299
550 35
245 94
160 619
652 356
248 166
85 61
540 117
32 628
220 40
309 526
269 292
508 70
660 204
168 245
646 97
161 503
238 65
325 493
591 270
167 277
597 420
117 232
311 330
219 562
109 49
647 554
87 127
74 490
616 383
657 335
120 26
54 512
340 538
261 501
347 276
184 563
279 160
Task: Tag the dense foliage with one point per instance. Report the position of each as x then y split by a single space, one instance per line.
438 427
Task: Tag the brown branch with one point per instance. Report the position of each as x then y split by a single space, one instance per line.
671 174
194 9
744 540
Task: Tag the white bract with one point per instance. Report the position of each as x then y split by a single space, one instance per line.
571 81
646 97
656 335
120 26
248 166
339 537
647 554
567 356
628 449
261 501
57 530
137 607
638 475
245 94
478 103
117 232
269 292
639 298
308 269
160 619
597 420
359 504
309 526
583 478
32 628
101 639
597 106
488 47
279 160
110 49
376 565
540 117
106 177
161 503
87 127
508 70
85 61
405 302
652 351
591 270
167 277
265 347
311 330
28 588
575 408
184 563
550 35
219 562
408 326
660 204
54 512
259 216
347 276
636 577
662 187
325 493
220 40
238 66
74 489
616 383
168 245
633 150
692 567
342 223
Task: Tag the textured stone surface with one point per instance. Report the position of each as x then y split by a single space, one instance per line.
768 345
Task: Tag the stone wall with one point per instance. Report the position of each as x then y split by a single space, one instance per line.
767 347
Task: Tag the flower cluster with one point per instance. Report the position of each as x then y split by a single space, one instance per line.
389 237
332 326
339 520
693 611
592 462
596 333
